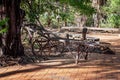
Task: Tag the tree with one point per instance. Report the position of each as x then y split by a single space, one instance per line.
97 4
13 45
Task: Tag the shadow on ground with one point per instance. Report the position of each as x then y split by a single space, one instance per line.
108 66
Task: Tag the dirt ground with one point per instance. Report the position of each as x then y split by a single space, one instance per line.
97 67
112 38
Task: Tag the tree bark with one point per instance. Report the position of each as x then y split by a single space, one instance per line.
13 45
96 19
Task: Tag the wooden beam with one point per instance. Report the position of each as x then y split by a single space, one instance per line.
90 29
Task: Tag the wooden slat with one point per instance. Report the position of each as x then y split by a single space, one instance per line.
91 28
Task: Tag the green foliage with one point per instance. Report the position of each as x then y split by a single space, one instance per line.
48 10
67 15
83 6
89 21
31 9
4 30
114 20
37 8
3 23
113 6
112 11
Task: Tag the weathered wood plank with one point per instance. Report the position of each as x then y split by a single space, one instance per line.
90 29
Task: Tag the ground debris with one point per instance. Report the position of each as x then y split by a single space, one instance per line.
8 61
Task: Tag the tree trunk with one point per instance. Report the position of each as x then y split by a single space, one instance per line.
96 20
65 23
13 45
1 45
97 4
48 22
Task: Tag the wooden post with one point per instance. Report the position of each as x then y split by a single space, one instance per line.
67 40
84 32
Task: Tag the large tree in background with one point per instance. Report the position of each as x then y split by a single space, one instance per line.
13 12
97 4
